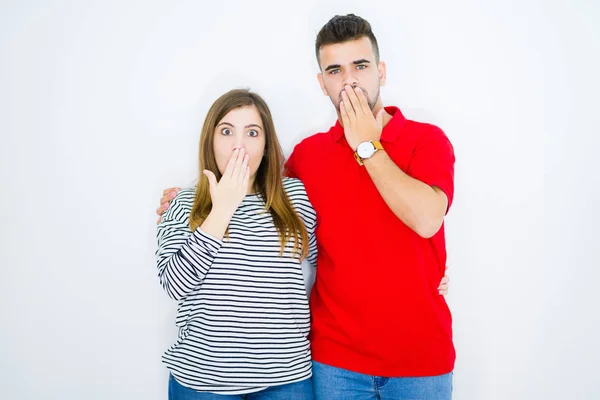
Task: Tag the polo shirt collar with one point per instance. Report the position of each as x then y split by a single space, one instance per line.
389 133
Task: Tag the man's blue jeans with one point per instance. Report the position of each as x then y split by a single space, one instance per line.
331 383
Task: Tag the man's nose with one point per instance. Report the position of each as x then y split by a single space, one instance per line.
350 79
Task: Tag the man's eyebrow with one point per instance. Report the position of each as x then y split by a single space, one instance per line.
357 62
333 66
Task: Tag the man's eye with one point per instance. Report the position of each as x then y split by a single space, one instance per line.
226 131
334 71
253 133
361 66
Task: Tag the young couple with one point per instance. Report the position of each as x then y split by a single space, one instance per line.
364 202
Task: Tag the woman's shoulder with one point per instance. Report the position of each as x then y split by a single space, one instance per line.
185 197
181 205
299 199
294 187
297 193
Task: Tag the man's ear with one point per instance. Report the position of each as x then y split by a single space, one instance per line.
321 83
382 73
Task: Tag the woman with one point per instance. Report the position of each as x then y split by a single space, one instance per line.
230 252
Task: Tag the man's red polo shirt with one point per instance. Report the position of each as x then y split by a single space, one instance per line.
375 304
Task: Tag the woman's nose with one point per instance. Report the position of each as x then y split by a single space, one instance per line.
239 144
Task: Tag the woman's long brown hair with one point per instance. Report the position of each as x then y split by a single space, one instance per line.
268 181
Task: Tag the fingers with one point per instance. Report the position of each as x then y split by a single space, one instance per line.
160 210
362 100
348 103
212 179
246 180
212 183
238 170
354 100
244 168
168 195
231 163
176 189
344 114
443 288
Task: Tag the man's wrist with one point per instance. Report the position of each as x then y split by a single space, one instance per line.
366 150
366 139
375 156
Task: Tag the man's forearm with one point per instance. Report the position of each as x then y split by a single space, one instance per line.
420 206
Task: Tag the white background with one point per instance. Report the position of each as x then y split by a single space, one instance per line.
101 104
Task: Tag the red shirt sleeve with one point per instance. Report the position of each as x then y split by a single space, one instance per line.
433 161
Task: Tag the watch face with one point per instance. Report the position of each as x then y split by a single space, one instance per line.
365 149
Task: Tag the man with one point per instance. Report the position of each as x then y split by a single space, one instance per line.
381 186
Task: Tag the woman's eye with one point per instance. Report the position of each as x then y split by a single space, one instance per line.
226 131
253 133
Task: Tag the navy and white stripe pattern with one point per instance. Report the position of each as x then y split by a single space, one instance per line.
243 314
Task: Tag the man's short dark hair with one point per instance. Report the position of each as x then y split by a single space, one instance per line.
343 28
